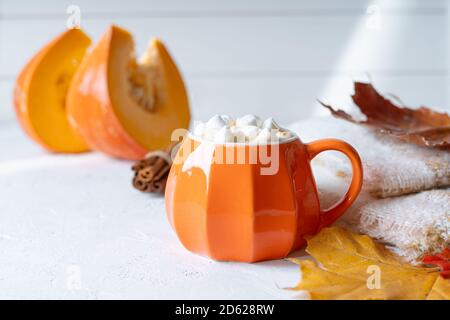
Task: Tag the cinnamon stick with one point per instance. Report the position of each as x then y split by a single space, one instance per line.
150 174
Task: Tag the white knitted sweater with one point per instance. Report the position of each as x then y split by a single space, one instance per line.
390 167
412 225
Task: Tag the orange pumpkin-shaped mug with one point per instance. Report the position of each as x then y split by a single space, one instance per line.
243 202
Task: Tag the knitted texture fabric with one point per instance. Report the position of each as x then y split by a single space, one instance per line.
411 225
391 167
415 225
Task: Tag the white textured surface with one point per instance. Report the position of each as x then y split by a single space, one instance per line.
73 227
96 223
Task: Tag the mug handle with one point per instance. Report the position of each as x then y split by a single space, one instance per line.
330 215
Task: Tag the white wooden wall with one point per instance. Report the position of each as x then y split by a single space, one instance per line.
266 57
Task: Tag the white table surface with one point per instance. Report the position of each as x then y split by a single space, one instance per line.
72 226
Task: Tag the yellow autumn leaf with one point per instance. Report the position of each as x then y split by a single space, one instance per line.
354 267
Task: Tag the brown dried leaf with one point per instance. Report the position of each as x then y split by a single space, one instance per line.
422 126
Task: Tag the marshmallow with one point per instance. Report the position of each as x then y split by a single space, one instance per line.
216 122
267 135
248 120
283 135
228 120
238 135
200 129
269 123
247 129
210 134
224 135
250 132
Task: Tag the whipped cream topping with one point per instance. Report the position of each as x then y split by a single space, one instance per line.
247 129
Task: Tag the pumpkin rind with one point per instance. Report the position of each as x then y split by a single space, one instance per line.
99 105
41 88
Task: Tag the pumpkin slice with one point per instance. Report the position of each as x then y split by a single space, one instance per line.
41 88
124 107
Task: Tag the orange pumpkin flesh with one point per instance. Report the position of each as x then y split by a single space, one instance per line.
41 88
123 107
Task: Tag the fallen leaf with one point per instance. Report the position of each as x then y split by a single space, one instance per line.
354 267
441 290
422 126
442 260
